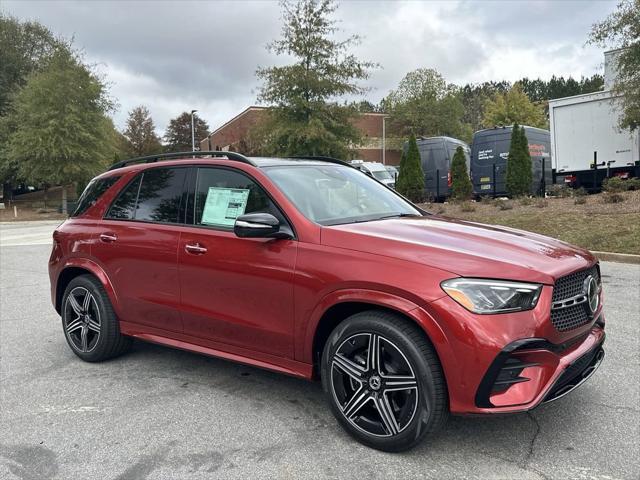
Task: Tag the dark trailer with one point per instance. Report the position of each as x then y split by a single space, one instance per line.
489 152
436 154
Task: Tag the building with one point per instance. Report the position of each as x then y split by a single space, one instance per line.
233 135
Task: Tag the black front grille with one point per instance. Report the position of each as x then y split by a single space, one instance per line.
569 286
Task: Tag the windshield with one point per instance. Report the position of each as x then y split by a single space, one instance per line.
334 194
382 175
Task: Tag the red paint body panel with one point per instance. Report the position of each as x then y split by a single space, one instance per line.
260 301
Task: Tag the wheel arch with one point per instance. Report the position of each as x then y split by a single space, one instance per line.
75 269
330 314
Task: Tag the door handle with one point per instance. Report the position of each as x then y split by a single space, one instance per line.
108 237
195 248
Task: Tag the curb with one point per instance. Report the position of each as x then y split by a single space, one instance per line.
617 257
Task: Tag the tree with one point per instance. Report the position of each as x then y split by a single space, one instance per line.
177 136
60 131
26 47
141 134
410 181
519 174
305 117
622 30
513 107
425 104
461 188
474 97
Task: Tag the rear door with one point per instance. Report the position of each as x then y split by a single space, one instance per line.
137 246
235 291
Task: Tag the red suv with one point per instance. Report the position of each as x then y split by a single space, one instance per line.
309 267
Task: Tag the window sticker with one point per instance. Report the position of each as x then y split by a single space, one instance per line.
223 205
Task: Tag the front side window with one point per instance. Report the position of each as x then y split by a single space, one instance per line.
335 194
96 188
222 195
154 196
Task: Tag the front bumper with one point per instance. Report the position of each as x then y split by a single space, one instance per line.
512 362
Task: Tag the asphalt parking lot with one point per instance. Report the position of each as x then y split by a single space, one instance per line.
159 413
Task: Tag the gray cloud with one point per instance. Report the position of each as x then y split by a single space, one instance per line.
175 56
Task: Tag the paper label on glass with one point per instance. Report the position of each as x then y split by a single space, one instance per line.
224 205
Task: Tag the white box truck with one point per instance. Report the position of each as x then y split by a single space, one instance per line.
582 125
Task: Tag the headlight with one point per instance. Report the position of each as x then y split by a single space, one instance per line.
492 296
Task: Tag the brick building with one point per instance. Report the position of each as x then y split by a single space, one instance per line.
233 135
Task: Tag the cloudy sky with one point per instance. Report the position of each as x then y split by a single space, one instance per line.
175 55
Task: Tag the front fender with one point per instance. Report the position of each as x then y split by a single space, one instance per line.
419 314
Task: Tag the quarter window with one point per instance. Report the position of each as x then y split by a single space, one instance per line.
92 193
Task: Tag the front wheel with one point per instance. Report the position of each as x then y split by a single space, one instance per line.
383 381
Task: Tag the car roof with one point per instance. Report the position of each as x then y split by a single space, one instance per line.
186 160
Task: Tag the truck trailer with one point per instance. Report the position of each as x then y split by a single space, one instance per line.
586 143
489 153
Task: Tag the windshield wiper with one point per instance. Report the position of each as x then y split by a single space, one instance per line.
400 215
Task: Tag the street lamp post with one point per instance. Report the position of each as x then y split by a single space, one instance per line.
384 139
193 132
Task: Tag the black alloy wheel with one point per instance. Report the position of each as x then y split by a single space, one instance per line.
384 381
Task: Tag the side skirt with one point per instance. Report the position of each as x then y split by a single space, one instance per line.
217 349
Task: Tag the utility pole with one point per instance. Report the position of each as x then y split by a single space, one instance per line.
193 132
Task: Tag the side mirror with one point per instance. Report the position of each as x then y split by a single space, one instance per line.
259 225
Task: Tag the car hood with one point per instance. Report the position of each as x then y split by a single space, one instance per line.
464 248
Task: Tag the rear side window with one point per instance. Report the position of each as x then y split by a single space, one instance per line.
154 196
92 193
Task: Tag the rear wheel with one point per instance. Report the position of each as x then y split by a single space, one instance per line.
383 381
89 322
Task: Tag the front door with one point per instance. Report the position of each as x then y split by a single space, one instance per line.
235 291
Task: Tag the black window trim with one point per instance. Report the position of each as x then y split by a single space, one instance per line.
181 211
192 194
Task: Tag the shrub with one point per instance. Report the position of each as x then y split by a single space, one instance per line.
579 192
580 200
410 181
525 201
503 204
614 184
612 197
541 202
467 207
461 188
633 183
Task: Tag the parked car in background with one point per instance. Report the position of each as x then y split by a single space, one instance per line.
489 153
376 170
393 171
311 268
436 154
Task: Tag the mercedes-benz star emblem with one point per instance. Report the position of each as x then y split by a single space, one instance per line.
590 289
375 383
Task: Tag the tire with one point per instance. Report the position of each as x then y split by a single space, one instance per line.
89 322
382 412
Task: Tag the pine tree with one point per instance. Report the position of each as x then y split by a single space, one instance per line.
513 169
519 174
411 177
525 159
461 188
141 134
